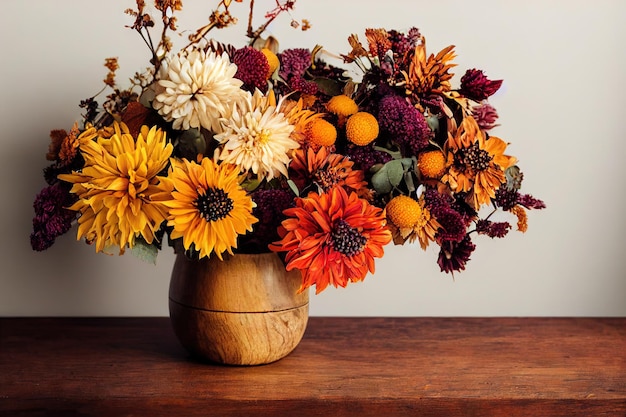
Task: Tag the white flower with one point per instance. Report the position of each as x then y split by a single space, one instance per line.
256 137
196 89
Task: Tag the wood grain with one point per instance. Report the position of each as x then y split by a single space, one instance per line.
244 310
342 367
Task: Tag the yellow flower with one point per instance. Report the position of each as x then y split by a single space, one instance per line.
272 59
115 186
432 164
342 105
206 205
410 220
362 128
403 211
321 132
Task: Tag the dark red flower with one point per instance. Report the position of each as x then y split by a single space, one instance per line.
252 68
454 255
492 229
476 86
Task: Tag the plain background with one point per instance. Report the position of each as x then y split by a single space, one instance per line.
561 107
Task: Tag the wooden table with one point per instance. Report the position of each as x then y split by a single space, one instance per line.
343 366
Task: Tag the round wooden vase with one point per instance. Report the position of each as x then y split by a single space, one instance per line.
244 310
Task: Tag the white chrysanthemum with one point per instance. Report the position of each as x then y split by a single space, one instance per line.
196 89
256 137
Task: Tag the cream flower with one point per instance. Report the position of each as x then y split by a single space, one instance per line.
196 89
256 137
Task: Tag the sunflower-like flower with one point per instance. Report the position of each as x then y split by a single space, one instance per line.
476 165
332 238
325 170
196 88
430 74
115 186
206 205
256 137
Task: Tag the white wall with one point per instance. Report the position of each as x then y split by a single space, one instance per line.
561 107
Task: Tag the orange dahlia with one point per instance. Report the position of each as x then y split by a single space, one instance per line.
332 238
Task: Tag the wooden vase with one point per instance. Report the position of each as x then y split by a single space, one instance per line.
244 310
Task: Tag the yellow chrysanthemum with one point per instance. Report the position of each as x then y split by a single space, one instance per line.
272 59
342 105
403 211
321 132
206 205
257 137
432 164
362 128
115 186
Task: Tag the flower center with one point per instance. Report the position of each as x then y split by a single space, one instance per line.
476 158
263 136
326 179
214 204
347 239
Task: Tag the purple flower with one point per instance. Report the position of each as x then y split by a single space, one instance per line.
52 218
269 210
404 123
294 62
401 43
365 157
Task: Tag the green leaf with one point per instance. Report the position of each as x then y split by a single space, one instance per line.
191 142
292 185
328 86
144 251
251 184
395 171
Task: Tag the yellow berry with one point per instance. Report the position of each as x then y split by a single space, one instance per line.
272 59
432 164
361 128
403 211
342 105
321 132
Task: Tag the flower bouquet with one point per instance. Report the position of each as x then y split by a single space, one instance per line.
216 149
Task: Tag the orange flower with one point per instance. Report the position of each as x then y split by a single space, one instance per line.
476 164
332 238
325 170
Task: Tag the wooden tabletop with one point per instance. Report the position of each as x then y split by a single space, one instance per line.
342 367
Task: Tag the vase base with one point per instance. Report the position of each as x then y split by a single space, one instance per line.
233 338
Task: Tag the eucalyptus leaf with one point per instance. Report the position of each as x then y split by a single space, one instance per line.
192 142
380 181
328 86
144 251
292 185
395 172
251 184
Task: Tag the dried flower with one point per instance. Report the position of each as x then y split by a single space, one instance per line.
224 149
